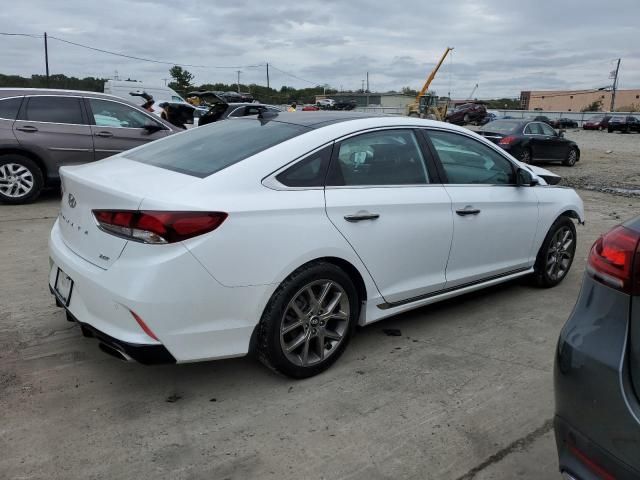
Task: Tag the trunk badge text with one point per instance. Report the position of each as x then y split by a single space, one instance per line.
69 222
72 201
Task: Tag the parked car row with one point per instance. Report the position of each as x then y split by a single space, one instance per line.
42 130
531 141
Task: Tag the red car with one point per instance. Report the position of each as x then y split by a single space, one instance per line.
599 122
310 108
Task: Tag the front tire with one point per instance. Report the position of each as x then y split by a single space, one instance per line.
556 253
21 179
572 158
308 321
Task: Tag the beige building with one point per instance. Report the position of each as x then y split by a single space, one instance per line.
576 100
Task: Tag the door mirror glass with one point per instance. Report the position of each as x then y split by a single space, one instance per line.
524 177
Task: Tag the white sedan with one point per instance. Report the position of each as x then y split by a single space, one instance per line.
279 234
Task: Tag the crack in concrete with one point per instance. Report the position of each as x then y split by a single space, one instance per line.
7 220
516 446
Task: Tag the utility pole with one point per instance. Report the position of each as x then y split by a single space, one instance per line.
165 81
238 71
46 57
362 86
615 86
267 74
367 82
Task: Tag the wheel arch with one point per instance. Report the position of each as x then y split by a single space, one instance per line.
345 265
572 214
30 155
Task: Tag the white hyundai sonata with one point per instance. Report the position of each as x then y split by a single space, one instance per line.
279 234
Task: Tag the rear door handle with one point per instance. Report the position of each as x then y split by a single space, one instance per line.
103 134
360 216
468 210
27 128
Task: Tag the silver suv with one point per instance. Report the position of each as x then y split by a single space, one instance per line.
42 130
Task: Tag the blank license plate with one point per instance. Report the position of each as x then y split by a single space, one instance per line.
63 287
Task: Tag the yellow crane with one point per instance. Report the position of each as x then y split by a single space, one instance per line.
425 104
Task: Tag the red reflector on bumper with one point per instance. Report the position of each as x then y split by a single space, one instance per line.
144 326
590 464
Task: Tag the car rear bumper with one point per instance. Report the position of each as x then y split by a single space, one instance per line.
596 408
190 313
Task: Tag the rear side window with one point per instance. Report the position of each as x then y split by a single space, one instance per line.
9 108
308 172
54 109
387 157
112 114
205 150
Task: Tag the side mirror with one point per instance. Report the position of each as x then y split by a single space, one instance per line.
152 127
524 177
561 133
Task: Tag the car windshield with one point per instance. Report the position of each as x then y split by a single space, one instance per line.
596 119
203 151
501 126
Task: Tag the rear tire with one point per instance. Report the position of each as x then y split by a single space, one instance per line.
308 321
556 253
21 179
572 158
525 155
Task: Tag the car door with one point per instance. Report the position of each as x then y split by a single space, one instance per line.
556 147
533 131
494 220
57 127
383 196
117 127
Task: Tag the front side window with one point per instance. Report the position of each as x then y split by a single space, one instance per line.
467 161
54 110
548 130
387 157
533 129
113 114
9 108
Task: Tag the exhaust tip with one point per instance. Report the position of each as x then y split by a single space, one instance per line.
114 352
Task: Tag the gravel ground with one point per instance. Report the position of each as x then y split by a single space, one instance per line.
609 162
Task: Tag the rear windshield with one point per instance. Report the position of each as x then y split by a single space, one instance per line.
205 150
501 126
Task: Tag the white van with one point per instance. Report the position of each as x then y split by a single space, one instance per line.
123 89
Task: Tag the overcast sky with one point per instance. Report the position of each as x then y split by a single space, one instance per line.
502 45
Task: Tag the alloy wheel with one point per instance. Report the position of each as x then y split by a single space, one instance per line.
315 323
16 180
560 253
525 156
573 156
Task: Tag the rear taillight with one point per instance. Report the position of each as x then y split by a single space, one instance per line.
508 140
614 260
157 226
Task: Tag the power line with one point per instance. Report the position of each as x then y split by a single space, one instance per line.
132 57
293 76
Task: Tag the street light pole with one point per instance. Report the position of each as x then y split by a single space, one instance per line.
238 71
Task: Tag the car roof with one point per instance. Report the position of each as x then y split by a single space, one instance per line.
10 91
317 119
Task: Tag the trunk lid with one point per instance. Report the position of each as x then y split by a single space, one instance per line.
494 137
113 184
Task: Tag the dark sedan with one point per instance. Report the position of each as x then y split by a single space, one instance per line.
541 118
564 123
624 124
530 141
597 365
599 122
467 113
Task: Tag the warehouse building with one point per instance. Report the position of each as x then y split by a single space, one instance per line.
577 100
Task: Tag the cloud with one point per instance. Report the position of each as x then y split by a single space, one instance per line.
503 46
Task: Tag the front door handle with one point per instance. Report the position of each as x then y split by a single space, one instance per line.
103 134
27 128
468 210
360 216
